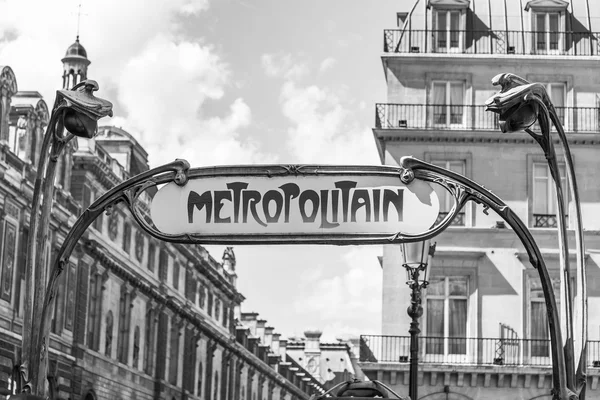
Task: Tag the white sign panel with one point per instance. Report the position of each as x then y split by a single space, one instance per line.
289 205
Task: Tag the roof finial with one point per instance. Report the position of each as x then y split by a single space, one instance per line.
78 20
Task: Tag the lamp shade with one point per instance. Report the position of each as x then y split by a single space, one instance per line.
415 254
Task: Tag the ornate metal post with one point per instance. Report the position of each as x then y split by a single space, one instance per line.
76 110
415 261
520 103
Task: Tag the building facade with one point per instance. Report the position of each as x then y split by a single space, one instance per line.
134 318
484 329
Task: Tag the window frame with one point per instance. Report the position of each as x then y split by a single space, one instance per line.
446 355
447 30
467 159
532 160
448 104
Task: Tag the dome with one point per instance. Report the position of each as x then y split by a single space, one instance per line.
76 50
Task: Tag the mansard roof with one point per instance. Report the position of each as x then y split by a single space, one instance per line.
457 4
547 4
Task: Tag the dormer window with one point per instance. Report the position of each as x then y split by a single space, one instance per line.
548 25
449 21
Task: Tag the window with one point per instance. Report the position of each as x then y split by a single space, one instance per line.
136 347
174 352
148 341
71 276
59 301
448 103
163 265
544 195
126 237
124 326
9 253
199 388
547 32
217 309
201 295
538 319
176 275
446 199
448 36
558 95
209 306
190 285
94 311
151 257
109 335
446 319
216 388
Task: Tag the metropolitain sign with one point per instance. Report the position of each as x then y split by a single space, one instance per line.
295 204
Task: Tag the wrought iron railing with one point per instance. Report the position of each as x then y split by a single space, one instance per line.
491 42
544 221
459 219
467 351
439 116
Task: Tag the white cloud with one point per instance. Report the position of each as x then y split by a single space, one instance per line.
327 64
351 298
322 128
283 65
157 80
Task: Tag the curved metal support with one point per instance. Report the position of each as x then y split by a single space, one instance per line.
519 103
125 192
77 110
481 195
581 309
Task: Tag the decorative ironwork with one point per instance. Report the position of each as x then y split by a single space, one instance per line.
470 117
459 219
519 105
544 221
507 351
77 111
498 42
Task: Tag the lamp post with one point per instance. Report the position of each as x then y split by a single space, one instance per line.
519 105
75 112
415 260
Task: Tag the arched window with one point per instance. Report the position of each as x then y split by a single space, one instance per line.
136 346
90 395
109 334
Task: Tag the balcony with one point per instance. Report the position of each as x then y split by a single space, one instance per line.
492 42
451 117
465 351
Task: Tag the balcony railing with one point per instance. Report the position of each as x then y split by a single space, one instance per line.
459 219
451 117
467 351
492 42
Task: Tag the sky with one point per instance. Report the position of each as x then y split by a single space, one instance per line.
220 82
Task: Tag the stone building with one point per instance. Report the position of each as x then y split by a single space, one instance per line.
484 329
329 362
134 318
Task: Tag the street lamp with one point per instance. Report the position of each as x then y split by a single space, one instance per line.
75 114
415 259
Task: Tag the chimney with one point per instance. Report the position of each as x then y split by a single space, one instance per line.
275 343
283 349
260 329
269 335
313 341
249 320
